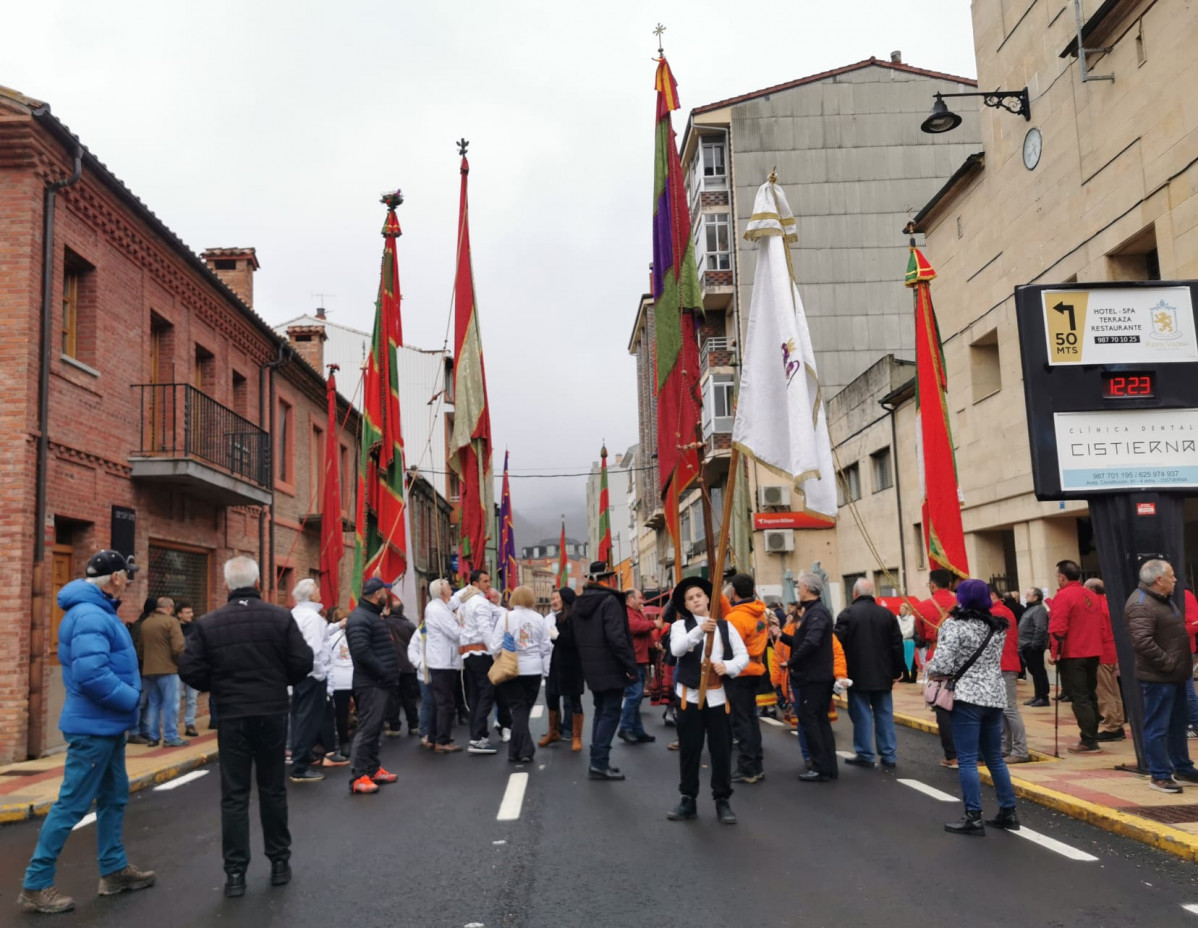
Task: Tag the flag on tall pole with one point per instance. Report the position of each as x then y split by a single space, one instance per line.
470 443
332 541
780 417
380 543
943 533
676 300
604 553
509 571
563 563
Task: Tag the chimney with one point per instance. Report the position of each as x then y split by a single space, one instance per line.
896 57
308 342
235 267
320 312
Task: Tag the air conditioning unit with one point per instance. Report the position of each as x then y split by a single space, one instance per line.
779 540
773 496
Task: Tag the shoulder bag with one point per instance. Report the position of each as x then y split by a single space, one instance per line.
938 694
507 664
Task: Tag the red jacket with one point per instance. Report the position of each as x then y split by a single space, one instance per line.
642 629
1010 648
1075 624
1192 619
928 617
1109 654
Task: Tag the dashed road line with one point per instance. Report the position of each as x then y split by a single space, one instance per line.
179 781
928 790
1053 845
537 711
85 821
513 798
1191 907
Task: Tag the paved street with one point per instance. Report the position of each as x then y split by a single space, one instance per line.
429 851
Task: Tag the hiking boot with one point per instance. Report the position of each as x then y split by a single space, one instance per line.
235 885
684 811
126 880
280 873
48 901
363 784
723 811
1006 818
970 824
383 776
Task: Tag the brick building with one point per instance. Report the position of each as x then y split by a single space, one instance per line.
142 393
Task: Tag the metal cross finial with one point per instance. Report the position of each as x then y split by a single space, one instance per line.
462 143
657 32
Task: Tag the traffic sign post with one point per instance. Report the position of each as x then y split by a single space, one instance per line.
1110 376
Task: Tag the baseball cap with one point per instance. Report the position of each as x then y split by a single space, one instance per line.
107 562
373 585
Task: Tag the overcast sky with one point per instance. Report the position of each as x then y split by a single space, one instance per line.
278 125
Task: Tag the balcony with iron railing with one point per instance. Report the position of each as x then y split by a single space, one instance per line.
188 440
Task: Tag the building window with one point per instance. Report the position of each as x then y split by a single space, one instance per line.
717 403
285 446
718 241
848 485
921 553
204 374
284 580
883 473
713 158
78 308
181 573
882 585
240 395
984 369
1136 259
316 469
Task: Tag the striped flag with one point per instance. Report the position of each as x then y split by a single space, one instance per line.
604 515
509 571
332 538
563 564
380 543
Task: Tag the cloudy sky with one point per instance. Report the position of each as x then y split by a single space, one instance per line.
278 125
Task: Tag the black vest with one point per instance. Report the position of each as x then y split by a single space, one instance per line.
690 665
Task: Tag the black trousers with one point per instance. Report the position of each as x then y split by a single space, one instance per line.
746 726
372 707
694 725
341 700
814 699
440 723
480 693
254 744
944 722
1033 660
1079 680
307 718
405 696
521 694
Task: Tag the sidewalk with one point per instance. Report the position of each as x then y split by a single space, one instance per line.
28 789
1086 787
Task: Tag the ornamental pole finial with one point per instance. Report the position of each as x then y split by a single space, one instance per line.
462 143
657 32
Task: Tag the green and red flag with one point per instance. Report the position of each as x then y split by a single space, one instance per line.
604 553
563 563
509 570
944 536
677 299
332 540
380 544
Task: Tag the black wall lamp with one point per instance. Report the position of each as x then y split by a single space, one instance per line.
945 120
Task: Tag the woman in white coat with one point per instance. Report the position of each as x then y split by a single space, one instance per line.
530 631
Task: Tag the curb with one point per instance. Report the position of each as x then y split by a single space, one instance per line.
24 811
1155 834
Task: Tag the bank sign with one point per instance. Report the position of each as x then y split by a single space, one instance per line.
1127 449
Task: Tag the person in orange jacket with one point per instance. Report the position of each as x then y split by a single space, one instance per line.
780 674
748 617
1075 640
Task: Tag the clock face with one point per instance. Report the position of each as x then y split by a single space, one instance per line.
1033 144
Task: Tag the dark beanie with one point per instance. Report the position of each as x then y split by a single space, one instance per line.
568 595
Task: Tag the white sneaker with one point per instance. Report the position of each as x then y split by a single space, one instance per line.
480 747
505 734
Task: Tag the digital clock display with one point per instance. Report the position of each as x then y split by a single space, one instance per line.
1128 386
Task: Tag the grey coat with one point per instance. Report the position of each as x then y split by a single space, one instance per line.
1033 628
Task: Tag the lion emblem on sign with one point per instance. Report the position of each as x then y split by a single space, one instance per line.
1164 321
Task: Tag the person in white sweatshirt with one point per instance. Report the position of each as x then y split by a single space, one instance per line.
309 698
340 685
534 648
442 635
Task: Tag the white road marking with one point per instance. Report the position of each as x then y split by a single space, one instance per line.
774 722
1053 844
85 821
537 711
179 781
928 790
1191 907
513 798
497 843
474 925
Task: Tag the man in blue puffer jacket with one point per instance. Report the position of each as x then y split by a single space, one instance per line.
99 672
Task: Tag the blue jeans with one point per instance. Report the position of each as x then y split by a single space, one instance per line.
139 717
603 726
426 704
803 749
978 729
162 704
1192 704
95 769
630 717
1165 711
872 712
191 697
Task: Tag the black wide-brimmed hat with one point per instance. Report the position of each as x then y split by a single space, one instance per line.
678 597
600 569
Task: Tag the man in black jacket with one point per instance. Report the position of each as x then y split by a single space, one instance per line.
406 695
812 678
873 650
608 660
376 674
246 654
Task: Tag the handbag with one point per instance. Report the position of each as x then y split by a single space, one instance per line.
507 665
938 694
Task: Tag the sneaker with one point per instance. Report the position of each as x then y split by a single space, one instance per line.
1191 734
126 880
1082 748
335 760
739 777
1189 775
1165 786
382 775
482 746
175 743
505 734
450 748
1111 735
150 744
643 737
48 901
308 776
858 761
951 764
190 732
1017 759
393 733
363 784
672 746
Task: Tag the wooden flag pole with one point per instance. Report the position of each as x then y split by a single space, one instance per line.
717 574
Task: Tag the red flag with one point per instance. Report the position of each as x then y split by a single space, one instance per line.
943 532
332 540
563 568
604 516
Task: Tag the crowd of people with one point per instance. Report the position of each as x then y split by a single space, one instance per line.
326 689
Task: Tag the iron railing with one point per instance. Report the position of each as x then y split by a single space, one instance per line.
716 352
179 421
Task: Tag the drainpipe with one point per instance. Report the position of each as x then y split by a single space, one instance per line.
285 354
38 611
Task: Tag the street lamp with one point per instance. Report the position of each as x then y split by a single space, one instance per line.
943 119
